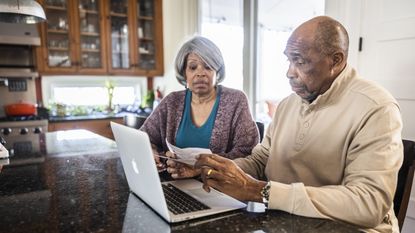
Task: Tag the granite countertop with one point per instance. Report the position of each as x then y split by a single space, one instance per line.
78 185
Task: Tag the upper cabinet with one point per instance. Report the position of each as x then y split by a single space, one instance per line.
102 37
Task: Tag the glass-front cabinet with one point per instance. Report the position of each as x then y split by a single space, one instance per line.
136 37
102 37
119 40
146 36
57 43
72 38
150 36
91 36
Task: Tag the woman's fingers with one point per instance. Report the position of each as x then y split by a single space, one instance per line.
156 157
170 155
171 163
178 172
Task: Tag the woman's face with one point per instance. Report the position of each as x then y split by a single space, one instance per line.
200 78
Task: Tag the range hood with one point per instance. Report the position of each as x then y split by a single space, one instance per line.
17 61
19 34
6 73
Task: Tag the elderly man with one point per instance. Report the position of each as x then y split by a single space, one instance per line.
333 149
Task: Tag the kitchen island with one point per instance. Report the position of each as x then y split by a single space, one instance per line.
99 124
76 183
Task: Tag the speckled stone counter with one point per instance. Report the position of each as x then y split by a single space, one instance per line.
76 183
83 118
54 119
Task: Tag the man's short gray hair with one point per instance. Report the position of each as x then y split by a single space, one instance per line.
207 51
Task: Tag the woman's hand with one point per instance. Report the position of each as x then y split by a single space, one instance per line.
224 175
180 170
161 166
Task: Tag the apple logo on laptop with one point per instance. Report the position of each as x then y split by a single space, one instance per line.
135 166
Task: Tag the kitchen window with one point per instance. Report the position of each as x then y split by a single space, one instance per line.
92 95
222 22
91 91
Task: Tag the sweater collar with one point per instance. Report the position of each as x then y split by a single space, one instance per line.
335 90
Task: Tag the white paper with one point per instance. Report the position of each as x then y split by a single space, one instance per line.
4 161
187 155
174 159
4 153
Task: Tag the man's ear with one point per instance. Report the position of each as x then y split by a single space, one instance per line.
337 59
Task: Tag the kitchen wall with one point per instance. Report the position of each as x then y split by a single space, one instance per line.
7 97
179 24
387 29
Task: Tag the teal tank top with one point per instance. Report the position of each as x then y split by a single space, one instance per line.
188 135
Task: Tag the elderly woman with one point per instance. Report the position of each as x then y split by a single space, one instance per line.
205 114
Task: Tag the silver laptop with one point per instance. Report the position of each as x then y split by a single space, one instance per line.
142 176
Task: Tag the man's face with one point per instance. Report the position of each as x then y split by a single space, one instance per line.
309 71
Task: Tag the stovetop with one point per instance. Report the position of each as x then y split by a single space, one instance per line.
24 130
22 118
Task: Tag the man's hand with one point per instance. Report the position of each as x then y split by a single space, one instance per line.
224 175
180 170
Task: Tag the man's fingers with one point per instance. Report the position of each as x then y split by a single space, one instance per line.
210 183
203 172
212 160
206 188
210 173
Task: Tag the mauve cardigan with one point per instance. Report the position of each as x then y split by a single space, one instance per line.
234 133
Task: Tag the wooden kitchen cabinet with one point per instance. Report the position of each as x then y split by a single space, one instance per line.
100 126
108 37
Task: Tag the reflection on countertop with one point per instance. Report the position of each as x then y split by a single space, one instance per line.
80 186
78 142
90 117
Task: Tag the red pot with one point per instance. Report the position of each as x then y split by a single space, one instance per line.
20 109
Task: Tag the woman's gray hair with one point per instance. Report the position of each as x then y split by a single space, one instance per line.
207 51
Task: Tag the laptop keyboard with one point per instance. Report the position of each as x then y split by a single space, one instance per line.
179 202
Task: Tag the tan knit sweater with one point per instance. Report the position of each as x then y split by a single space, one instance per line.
337 158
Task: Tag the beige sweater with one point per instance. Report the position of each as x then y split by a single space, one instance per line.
337 158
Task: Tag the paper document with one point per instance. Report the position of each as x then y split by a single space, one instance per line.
187 155
4 153
177 160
